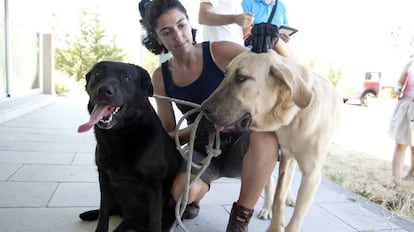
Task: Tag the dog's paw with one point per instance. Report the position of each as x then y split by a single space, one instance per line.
90 215
265 214
290 200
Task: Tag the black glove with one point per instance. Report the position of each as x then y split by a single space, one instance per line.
263 37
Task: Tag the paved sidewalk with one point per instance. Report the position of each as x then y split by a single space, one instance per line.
48 176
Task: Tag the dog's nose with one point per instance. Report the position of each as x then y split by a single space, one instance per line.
207 108
106 90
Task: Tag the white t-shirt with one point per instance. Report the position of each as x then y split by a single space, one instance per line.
232 32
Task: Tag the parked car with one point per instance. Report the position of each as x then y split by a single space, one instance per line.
363 86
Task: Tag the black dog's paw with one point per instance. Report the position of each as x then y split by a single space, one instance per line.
90 215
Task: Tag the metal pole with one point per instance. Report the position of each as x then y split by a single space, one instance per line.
7 44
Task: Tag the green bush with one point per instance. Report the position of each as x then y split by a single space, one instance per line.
63 85
87 47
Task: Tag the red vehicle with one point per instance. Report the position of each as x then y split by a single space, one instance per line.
359 85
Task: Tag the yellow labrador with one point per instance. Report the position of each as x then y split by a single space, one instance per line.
265 212
268 92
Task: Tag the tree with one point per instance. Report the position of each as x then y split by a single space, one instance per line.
330 71
88 47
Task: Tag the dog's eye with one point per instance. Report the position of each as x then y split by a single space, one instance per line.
240 78
98 74
126 77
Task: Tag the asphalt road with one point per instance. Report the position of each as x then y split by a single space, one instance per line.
365 128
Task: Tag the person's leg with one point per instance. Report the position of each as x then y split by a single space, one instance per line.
258 164
397 164
257 167
410 173
196 192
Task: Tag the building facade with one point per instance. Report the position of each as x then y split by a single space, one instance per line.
26 54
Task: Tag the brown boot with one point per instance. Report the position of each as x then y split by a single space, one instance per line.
239 219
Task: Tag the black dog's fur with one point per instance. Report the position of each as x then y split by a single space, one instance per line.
137 160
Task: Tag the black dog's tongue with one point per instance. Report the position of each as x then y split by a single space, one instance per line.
98 112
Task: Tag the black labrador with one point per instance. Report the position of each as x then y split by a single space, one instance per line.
137 160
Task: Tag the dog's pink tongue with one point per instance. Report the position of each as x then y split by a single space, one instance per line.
218 127
98 112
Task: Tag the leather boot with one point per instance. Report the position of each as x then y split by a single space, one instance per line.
239 219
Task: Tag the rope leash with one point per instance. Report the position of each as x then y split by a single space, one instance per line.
212 151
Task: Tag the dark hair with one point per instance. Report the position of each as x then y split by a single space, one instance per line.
150 12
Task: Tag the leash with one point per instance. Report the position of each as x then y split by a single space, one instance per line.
212 151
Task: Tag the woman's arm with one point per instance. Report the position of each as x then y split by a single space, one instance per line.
400 85
282 48
165 109
223 52
206 16
403 74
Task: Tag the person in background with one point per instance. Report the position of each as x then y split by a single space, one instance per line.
261 10
194 71
402 126
224 20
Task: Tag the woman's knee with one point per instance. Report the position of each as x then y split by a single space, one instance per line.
400 148
196 192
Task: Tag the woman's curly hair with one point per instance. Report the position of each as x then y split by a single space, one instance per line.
150 12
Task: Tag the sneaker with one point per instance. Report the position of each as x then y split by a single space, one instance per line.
239 219
191 211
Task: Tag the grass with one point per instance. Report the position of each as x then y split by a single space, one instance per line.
364 174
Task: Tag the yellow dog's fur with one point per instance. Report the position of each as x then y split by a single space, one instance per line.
282 96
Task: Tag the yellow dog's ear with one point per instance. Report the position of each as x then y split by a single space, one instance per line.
296 77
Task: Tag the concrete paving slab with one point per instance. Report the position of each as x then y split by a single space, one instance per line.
84 158
67 147
56 173
7 169
319 219
29 157
222 193
359 217
325 194
22 146
76 195
25 194
204 222
47 220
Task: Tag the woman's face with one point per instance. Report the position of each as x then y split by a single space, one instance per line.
174 31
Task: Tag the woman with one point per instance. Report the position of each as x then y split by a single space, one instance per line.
192 74
402 126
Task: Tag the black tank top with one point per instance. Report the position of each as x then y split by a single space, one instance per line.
196 92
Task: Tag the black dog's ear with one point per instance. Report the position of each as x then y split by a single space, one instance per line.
87 78
146 81
88 75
